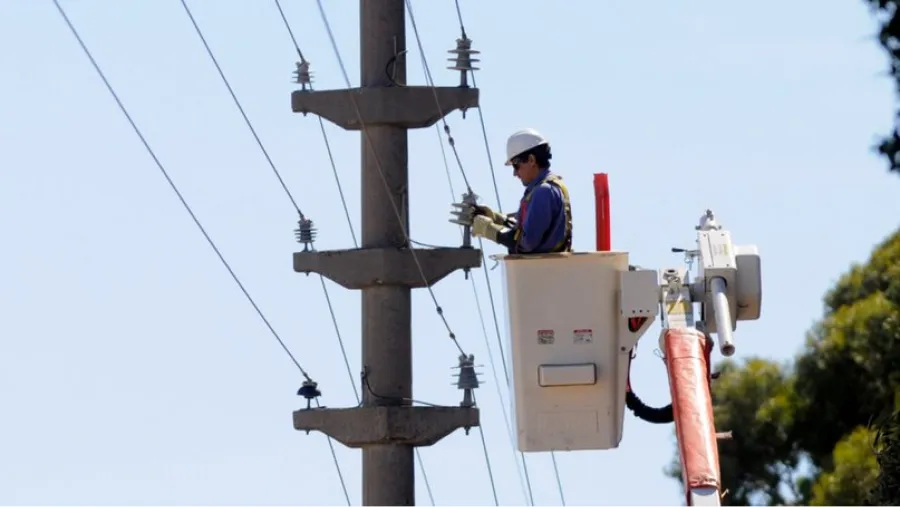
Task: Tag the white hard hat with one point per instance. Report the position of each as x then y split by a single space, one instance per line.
522 141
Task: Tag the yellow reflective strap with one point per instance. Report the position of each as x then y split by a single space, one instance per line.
565 245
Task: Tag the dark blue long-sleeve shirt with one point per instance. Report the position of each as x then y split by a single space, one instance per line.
545 220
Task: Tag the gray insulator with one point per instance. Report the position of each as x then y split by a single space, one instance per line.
471 199
463 60
305 233
467 379
302 75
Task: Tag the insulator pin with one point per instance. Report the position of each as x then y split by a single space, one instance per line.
310 391
303 76
463 60
305 233
467 379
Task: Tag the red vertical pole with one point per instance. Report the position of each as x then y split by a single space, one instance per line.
601 210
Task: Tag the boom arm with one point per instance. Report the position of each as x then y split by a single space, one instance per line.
728 289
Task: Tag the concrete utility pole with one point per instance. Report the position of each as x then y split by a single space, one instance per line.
386 427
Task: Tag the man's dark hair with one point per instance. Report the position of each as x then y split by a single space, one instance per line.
541 154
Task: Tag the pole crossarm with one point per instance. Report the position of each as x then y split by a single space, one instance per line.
361 268
360 427
385 269
410 107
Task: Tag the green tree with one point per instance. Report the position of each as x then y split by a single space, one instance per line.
854 475
887 441
889 36
818 410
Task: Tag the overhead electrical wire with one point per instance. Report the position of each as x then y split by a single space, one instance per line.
487 146
365 134
334 170
290 196
487 459
340 188
450 140
193 216
240 108
378 164
524 481
337 180
430 80
452 143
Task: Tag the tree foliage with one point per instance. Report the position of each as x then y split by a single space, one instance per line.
889 38
852 478
814 431
887 441
825 428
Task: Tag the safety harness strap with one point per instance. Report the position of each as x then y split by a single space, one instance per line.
564 245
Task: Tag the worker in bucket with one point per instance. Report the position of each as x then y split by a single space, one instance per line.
543 223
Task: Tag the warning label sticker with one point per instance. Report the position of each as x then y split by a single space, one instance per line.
546 336
583 336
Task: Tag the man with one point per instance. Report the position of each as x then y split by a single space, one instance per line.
543 223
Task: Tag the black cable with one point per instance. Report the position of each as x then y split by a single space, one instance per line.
174 187
340 188
644 412
379 166
290 32
187 207
459 16
240 108
462 29
562 496
430 80
487 460
334 457
334 170
526 486
390 70
265 153
524 481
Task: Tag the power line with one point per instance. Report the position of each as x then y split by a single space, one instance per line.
462 28
524 482
334 457
365 133
337 180
265 153
430 81
190 211
237 103
562 496
174 187
452 143
487 460
334 170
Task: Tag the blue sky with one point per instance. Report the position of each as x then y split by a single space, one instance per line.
133 371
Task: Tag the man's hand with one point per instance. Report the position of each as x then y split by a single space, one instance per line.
497 218
484 227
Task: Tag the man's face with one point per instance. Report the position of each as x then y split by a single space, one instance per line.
525 168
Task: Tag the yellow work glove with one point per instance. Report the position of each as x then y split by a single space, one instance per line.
497 218
484 227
